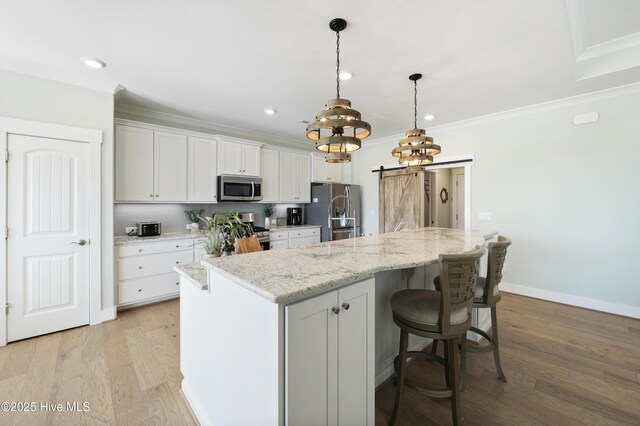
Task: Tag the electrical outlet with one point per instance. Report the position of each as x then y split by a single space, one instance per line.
130 229
484 216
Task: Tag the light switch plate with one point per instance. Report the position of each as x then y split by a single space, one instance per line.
129 229
484 216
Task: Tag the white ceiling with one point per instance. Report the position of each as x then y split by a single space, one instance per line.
225 61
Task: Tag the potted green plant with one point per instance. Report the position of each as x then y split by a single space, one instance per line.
230 227
269 210
212 243
193 217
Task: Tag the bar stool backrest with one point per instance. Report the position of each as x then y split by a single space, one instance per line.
495 261
458 276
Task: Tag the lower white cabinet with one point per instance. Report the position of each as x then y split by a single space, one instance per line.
329 358
293 238
145 270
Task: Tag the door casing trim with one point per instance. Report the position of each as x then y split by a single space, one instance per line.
14 126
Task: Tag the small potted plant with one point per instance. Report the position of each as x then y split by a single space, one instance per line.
193 217
212 243
269 210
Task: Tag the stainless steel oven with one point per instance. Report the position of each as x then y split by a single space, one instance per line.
239 188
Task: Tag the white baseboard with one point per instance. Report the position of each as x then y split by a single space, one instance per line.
108 314
194 404
568 299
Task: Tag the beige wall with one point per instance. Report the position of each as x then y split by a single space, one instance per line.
574 232
37 99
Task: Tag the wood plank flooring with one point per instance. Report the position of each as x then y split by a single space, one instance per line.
128 370
565 366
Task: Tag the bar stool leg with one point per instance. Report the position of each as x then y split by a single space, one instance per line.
463 362
494 341
454 379
402 370
434 347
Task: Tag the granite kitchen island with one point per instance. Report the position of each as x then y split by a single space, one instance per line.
302 336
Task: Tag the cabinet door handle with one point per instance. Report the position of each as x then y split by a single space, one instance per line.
346 306
157 195
151 195
178 283
177 262
139 290
139 267
335 310
139 250
177 245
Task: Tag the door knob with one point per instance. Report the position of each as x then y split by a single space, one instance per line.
80 243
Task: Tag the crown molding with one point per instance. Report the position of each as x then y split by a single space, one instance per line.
544 106
217 128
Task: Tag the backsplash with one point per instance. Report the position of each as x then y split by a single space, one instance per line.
173 218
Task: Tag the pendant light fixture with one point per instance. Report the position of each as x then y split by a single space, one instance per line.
338 129
417 149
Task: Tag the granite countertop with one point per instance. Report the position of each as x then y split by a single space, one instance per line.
291 227
196 273
125 239
288 275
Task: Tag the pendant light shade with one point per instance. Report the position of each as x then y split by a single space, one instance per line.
416 149
338 129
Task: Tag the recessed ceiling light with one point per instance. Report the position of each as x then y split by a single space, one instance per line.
93 62
429 117
346 75
269 111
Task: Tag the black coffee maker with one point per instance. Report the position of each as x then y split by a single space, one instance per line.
294 215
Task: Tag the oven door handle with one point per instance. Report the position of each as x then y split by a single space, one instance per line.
253 190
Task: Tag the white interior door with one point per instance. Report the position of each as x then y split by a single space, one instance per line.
48 189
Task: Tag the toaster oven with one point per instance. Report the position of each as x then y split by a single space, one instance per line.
148 229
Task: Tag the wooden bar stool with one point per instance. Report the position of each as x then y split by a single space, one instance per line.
444 315
487 295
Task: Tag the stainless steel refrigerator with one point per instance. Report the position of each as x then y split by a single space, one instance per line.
317 213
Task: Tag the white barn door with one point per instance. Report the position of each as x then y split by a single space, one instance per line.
48 220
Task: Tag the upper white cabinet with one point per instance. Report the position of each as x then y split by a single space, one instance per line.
134 164
325 172
329 346
238 157
202 170
169 167
150 165
295 177
270 173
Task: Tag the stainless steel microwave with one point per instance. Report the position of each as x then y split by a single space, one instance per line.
239 188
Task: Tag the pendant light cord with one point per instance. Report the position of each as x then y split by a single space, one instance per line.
415 104
338 64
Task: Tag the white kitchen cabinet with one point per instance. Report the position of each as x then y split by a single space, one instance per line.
202 170
325 172
169 167
145 270
134 164
270 173
295 177
238 157
150 165
329 347
293 238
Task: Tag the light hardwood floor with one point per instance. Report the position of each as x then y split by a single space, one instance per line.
565 365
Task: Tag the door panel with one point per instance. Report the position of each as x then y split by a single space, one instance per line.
170 167
48 199
401 199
